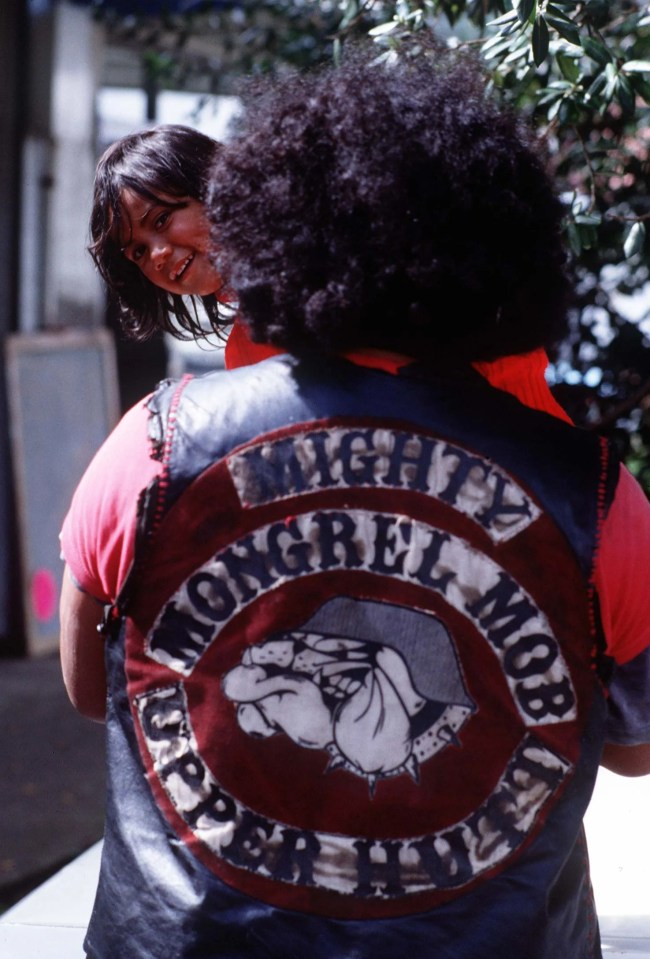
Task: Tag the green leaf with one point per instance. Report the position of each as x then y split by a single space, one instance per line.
641 86
596 51
597 88
540 40
625 95
518 53
549 96
588 237
558 88
566 29
351 11
508 17
636 66
569 112
611 82
526 10
564 25
569 67
588 219
496 44
574 238
554 11
634 240
383 29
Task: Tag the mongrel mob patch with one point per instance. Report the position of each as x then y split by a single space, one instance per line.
379 689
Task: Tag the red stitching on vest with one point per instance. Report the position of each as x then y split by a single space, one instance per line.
163 479
600 519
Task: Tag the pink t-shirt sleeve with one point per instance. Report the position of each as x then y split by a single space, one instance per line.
621 575
98 531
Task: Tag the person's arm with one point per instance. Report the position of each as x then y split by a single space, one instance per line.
82 650
627 760
97 547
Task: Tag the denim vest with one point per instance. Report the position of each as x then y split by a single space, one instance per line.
356 700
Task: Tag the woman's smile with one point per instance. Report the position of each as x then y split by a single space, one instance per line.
168 240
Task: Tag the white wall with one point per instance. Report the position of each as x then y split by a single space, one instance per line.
58 284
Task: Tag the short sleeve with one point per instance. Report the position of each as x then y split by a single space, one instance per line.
621 582
98 531
621 575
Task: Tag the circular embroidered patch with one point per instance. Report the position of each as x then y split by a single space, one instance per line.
353 689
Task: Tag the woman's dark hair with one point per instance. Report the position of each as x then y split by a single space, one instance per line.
169 160
391 205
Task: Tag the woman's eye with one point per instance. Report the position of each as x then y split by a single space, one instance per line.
137 253
161 219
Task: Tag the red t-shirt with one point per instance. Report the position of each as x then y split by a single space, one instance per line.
98 532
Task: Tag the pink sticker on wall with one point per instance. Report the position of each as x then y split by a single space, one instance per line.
43 594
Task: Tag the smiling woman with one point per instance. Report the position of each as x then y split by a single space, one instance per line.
168 242
150 235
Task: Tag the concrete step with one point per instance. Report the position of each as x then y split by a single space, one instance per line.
50 923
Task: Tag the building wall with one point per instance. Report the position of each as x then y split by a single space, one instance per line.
59 286
12 102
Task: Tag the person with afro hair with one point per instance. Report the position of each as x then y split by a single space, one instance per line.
394 207
371 624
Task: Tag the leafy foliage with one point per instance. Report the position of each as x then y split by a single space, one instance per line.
579 68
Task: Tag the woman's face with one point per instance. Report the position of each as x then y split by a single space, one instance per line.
169 246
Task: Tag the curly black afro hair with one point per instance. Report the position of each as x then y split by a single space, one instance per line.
390 205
